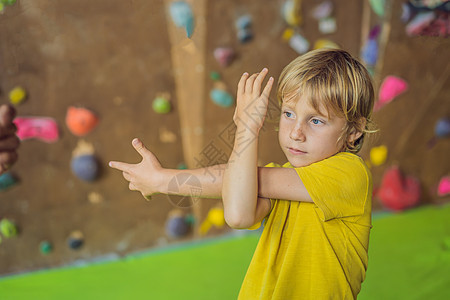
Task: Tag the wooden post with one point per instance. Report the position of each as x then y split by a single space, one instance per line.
188 59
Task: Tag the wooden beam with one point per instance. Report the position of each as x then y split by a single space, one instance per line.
188 59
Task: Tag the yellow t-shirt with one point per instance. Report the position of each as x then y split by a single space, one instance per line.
316 250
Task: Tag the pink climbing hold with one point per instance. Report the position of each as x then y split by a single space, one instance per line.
42 128
398 192
444 186
224 56
391 87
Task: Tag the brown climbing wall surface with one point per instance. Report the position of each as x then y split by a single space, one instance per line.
114 57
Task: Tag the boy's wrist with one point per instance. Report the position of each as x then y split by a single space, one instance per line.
164 177
247 128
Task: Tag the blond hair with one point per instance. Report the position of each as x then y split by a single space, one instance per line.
333 78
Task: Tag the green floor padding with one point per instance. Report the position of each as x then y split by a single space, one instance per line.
409 258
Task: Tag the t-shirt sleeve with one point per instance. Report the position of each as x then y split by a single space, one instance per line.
338 185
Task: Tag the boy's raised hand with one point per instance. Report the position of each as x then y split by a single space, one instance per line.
252 104
144 176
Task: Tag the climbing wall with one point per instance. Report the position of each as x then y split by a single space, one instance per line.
408 125
115 57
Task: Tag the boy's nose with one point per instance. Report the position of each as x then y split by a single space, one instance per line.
297 134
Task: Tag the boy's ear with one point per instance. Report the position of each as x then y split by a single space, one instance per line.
356 131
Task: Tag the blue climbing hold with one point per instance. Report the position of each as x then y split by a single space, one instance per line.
182 16
85 167
6 181
177 226
243 22
442 128
221 98
370 52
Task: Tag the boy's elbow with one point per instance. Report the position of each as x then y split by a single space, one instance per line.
238 221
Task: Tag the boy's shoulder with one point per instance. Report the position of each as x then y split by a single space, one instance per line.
345 158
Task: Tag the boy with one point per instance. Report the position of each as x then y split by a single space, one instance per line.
318 205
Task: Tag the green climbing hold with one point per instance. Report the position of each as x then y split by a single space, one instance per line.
8 228
8 2
45 247
161 105
214 75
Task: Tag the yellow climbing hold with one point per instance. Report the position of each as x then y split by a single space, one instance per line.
378 155
323 43
17 95
215 218
287 34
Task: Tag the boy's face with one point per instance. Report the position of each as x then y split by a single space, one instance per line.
307 136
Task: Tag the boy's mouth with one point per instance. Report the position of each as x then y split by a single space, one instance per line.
296 151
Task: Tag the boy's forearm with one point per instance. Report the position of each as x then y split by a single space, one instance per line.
240 181
209 180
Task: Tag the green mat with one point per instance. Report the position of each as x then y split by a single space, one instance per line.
409 259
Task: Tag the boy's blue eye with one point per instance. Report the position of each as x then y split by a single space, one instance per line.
288 114
316 121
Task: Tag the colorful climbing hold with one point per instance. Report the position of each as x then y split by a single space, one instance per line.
176 225
324 43
161 105
75 239
45 247
41 128
398 192
299 43
8 228
182 166
323 10
444 186
8 2
85 167
17 95
221 97
288 33
327 25
244 35
378 6
291 12
7 180
214 75
182 16
243 22
391 87
215 218
419 23
369 53
80 121
442 128
378 155
224 56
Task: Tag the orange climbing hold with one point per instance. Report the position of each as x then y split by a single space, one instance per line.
80 121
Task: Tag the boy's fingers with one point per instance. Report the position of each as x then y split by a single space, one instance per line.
139 146
132 187
7 114
241 84
119 165
7 130
249 83
258 81
268 88
127 176
7 158
9 143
